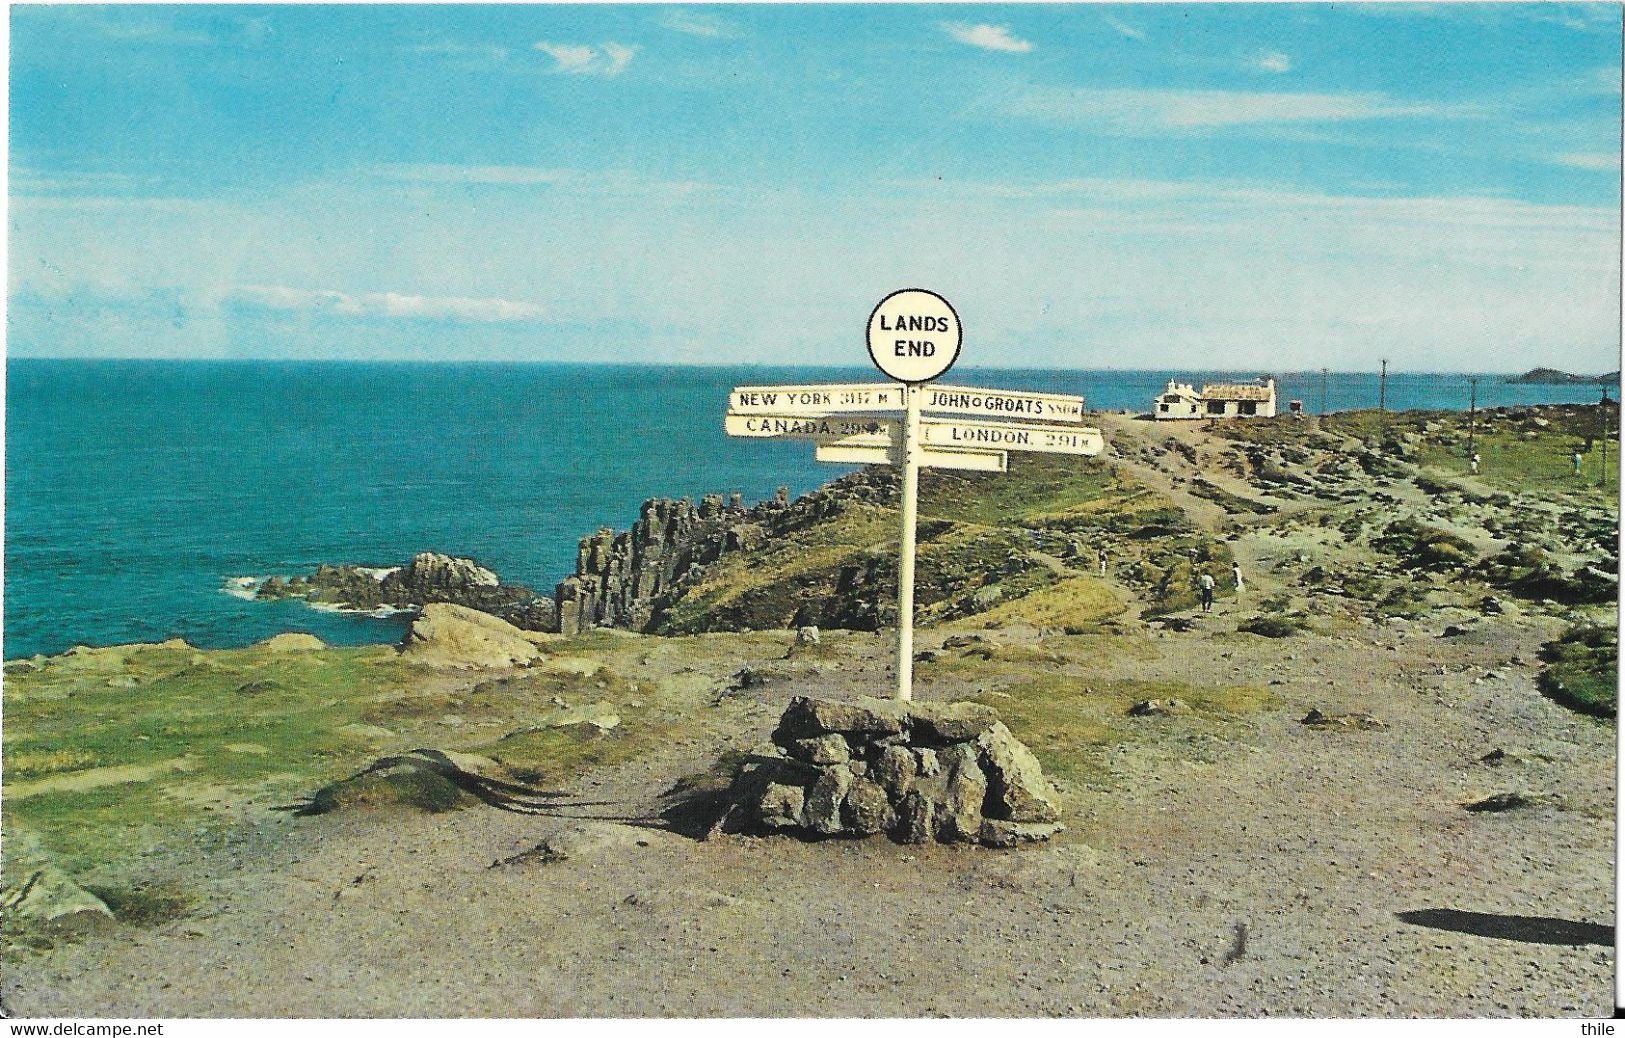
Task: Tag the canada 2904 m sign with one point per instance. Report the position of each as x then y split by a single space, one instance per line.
914 338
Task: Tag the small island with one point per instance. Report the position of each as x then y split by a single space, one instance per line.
1553 377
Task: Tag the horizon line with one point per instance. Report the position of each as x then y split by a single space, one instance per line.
510 362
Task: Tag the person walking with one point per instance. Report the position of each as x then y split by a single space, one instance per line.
1577 459
1101 557
1472 463
1206 583
1235 575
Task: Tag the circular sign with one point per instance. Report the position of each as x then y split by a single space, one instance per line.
914 335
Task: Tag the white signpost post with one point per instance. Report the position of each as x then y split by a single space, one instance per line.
914 338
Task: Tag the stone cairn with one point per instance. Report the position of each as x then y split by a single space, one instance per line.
918 772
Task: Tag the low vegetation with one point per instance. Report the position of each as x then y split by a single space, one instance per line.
1582 670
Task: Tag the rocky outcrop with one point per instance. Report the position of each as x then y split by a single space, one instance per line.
428 578
918 772
446 635
630 579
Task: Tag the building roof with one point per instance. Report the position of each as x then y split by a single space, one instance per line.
1232 391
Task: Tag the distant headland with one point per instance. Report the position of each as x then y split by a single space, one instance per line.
1553 377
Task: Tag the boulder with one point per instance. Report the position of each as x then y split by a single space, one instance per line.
965 793
807 635
1018 790
949 722
823 749
916 819
431 572
446 635
781 807
894 768
824 800
865 719
867 809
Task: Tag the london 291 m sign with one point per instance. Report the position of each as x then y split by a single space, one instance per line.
914 337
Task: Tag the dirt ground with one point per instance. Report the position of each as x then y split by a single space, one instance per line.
1252 866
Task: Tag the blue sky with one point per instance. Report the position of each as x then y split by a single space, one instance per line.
1270 187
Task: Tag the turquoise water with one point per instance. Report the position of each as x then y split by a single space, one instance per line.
135 488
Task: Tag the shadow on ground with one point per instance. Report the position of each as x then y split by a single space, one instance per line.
1531 929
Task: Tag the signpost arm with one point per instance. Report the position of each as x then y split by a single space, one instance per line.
905 557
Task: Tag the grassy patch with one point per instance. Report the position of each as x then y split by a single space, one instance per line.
1582 670
1069 723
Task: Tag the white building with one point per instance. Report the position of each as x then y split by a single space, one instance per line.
1216 400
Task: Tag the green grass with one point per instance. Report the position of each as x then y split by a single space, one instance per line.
199 735
1582 670
1071 722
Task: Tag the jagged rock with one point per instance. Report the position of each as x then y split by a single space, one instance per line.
949 722
965 793
293 641
1017 788
430 572
867 809
916 819
894 768
927 759
448 635
806 718
807 635
781 807
824 800
823 749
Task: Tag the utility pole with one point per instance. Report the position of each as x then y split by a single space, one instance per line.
1382 389
1323 392
1605 435
1472 416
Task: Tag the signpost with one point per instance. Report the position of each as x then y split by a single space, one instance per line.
914 338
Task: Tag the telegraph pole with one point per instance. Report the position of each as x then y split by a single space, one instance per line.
1382 389
1472 415
1323 392
1605 435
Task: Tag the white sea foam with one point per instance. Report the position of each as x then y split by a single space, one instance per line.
378 573
242 587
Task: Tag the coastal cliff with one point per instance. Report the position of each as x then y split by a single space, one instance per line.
633 578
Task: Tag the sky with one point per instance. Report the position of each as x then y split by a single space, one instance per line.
1212 186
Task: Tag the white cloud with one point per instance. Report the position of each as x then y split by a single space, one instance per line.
1603 161
608 59
1135 111
987 37
457 49
438 173
385 304
1123 27
620 56
1271 61
697 23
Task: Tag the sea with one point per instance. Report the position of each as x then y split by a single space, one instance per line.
137 491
